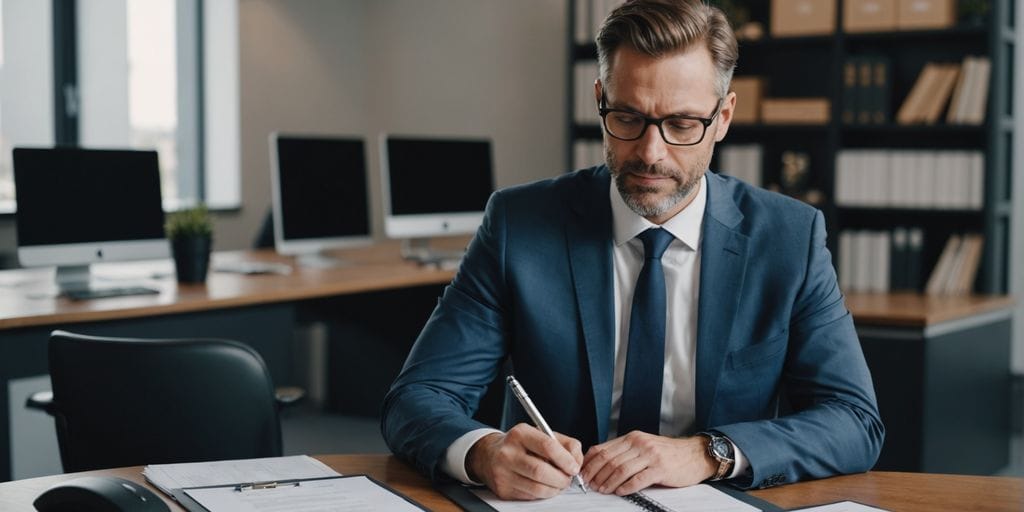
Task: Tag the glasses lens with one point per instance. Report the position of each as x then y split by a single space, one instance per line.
629 126
682 131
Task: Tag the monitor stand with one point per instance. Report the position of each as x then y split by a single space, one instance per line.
420 251
74 282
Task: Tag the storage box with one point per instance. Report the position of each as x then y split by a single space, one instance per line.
749 90
869 15
926 14
803 17
795 110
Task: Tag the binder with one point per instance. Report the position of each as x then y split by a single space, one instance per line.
394 499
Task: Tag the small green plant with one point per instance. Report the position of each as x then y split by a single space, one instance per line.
190 222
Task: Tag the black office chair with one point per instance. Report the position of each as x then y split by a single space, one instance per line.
128 402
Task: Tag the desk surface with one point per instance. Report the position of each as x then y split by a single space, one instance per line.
893 491
374 268
27 296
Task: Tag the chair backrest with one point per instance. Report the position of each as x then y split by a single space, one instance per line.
128 402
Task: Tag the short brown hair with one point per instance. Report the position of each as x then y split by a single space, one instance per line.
660 27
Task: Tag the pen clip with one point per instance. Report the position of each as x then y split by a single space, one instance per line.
264 485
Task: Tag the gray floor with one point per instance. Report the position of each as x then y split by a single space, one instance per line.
311 433
306 432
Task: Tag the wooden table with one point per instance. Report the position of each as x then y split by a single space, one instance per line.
892 491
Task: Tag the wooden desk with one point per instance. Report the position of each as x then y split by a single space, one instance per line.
386 300
894 491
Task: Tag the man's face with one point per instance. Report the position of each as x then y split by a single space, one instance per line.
658 180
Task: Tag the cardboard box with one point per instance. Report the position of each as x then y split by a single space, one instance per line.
803 17
926 14
749 91
869 15
796 110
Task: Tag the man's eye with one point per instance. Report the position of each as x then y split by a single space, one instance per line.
627 119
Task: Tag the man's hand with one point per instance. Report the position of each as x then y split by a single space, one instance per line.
639 460
524 464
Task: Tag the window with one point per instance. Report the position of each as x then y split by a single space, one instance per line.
26 84
142 75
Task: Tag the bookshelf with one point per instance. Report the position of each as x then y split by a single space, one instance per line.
812 66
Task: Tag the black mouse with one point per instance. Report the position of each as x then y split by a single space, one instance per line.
99 494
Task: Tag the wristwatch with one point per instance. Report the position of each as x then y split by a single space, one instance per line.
720 449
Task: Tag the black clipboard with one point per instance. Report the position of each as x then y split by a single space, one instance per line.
186 501
469 502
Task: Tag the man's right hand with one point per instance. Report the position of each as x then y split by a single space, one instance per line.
524 463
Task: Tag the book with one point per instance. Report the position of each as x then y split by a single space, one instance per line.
974 243
958 102
939 93
693 498
937 279
909 111
881 86
977 95
851 94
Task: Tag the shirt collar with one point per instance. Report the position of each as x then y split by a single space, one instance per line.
685 226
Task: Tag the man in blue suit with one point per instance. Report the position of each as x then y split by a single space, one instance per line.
655 311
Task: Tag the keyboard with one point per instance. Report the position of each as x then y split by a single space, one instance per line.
100 293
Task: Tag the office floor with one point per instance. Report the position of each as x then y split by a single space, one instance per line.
309 432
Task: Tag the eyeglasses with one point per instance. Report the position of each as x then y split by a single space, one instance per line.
676 130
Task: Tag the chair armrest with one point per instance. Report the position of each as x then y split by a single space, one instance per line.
286 396
41 400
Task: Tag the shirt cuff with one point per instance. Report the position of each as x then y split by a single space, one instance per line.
454 462
741 464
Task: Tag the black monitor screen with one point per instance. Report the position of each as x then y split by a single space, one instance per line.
68 196
323 188
438 175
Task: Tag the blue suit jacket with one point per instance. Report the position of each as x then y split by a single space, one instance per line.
536 286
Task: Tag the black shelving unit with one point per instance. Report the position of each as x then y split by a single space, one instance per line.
813 66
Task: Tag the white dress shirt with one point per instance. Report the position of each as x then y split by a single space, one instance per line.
681 264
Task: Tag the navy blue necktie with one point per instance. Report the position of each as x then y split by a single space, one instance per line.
645 359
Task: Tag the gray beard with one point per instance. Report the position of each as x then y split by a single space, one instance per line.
633 198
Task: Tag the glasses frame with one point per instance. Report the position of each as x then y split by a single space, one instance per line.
603 111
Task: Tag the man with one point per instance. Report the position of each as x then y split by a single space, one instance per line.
654 311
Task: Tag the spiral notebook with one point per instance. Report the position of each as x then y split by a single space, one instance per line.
695 498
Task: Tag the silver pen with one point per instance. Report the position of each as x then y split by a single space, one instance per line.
538 420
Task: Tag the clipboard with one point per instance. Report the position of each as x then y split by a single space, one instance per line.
469 502
190 504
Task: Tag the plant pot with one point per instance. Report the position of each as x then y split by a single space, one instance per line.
191 258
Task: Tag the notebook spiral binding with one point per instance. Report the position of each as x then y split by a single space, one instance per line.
646 503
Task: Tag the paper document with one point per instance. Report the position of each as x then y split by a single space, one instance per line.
696 498
842 506
356 493
168 477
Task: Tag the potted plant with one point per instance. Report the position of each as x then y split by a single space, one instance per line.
191 234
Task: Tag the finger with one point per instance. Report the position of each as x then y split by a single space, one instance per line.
619 471
546 448
573 445
599 456
638 482
540 471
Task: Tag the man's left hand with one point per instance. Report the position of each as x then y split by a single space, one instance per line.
639 460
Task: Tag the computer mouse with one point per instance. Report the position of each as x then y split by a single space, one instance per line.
99 494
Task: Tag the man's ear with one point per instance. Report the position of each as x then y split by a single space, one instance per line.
725 116
597 92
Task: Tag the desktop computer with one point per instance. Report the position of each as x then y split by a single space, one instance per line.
82 206
434 186
320 196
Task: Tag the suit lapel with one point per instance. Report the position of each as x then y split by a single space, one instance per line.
722 267
588 236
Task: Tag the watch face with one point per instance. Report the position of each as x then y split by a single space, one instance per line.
721 447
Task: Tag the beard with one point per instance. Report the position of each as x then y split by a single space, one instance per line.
645 200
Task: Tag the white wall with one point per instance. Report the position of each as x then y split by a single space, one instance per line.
359 67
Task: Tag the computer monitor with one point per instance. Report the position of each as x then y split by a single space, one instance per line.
81 206
434 186
320 196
